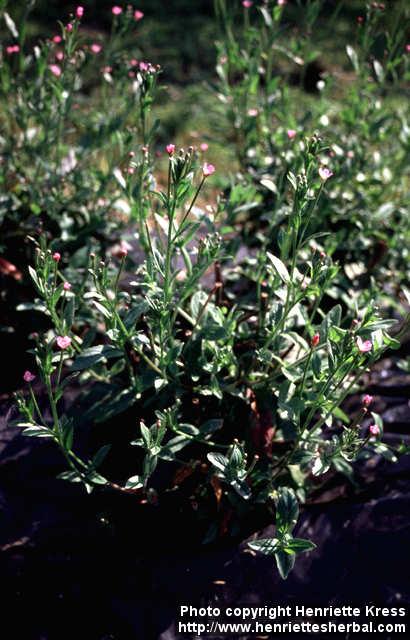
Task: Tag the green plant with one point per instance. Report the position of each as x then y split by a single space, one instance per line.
169 339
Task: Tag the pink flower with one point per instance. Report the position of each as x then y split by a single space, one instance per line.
291 133
364 345
116 10
247 4
60 55
204 146
79 12
28 376
325 173
374 430
281 3
66 286
208 169
57 39
14 48
56 256
138 15
121 250
69 27
408 48
55 70
367 400
170 149
252 113
63 341
315 340
131 170
95 47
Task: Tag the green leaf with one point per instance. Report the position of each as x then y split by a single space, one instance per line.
36 280
210 426
279 267
100 456
384 451
146 435
135 313
10 25
287 510
285 563
353 57
39 432
197 303
70 476
102 309
69 312
267 546
218 460
299 545
92 356
68 435
134 483
241 488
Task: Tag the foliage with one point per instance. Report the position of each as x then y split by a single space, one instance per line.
234 330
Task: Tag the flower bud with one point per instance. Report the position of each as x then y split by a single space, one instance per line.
315 340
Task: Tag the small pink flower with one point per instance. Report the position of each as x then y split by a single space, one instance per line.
408 48
55 70
69 27
247 4
204 146
364 345
170 149
63 341
14 48
138 15
79 12
116 10
133 62
131 170
28 376
57 39
374 430
66 286
281 3
60 55
122 250
95 47
325 173
56 256
291 133
367 400
252 113
208 169
315 340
